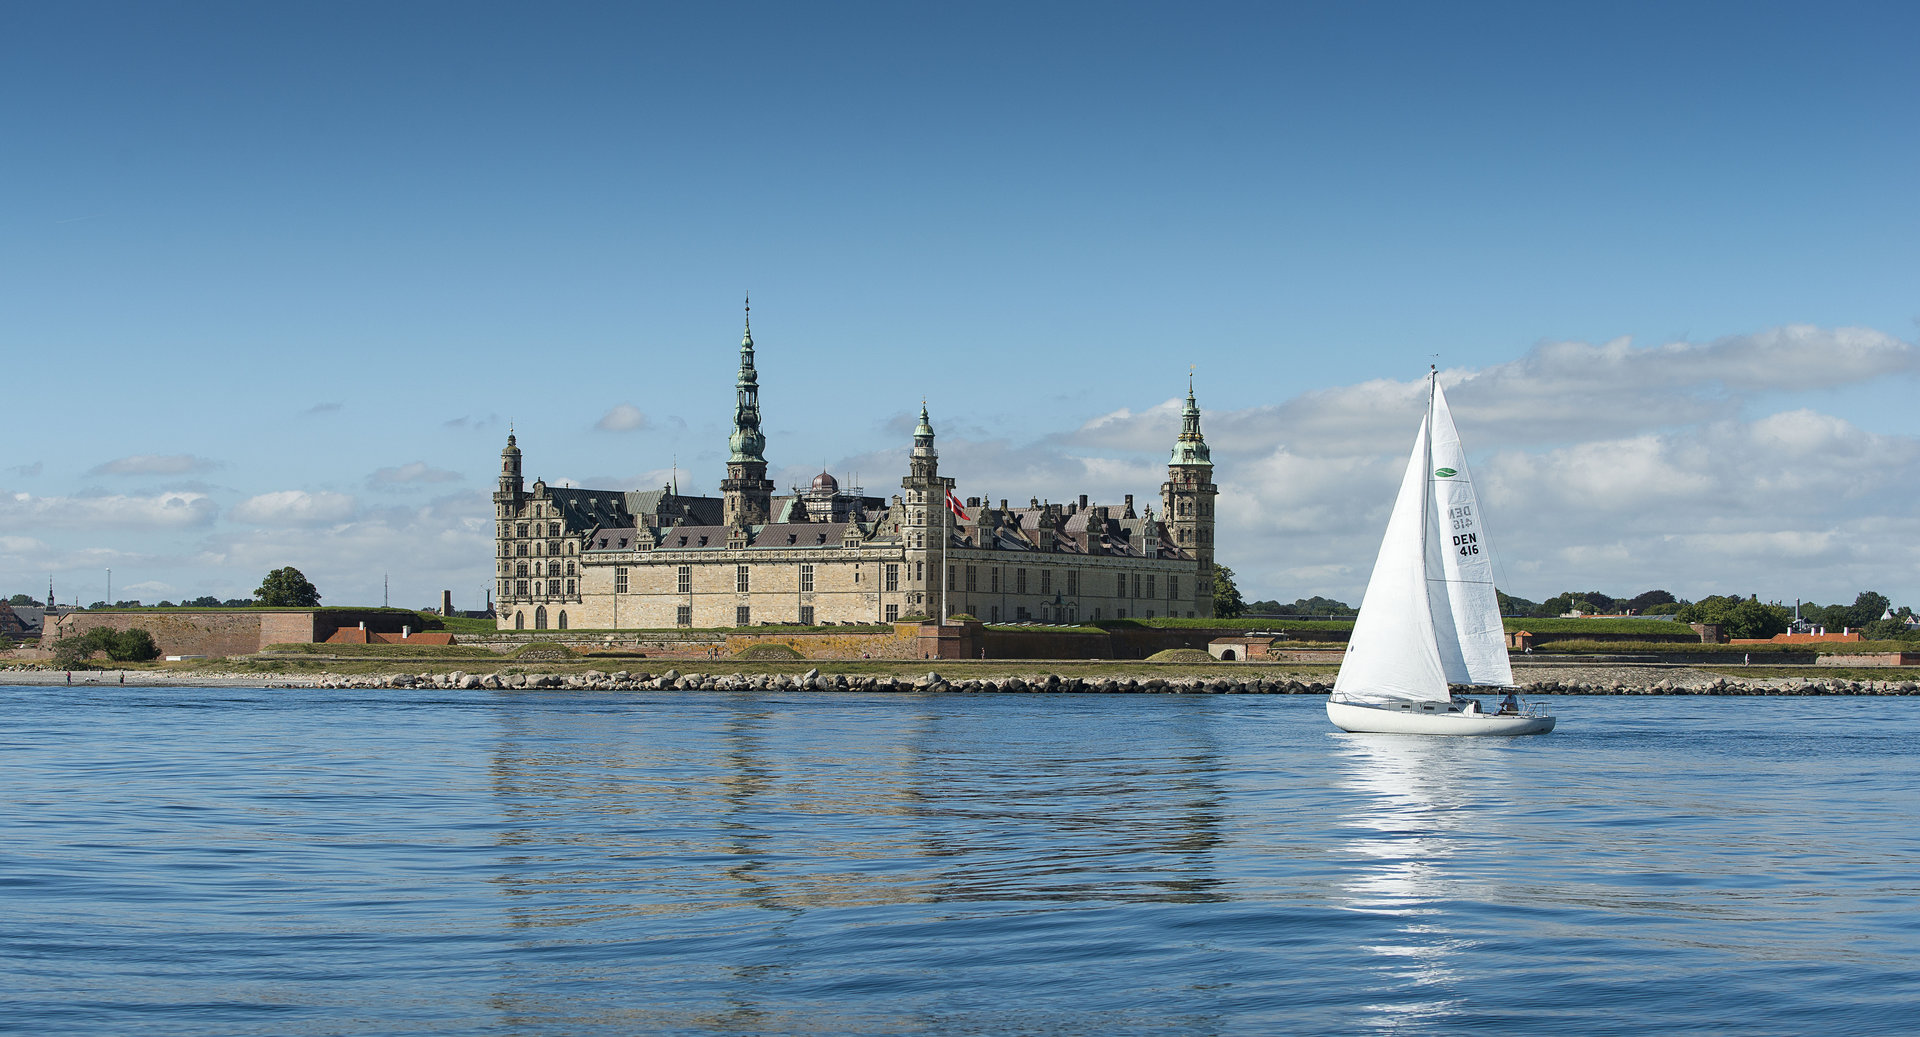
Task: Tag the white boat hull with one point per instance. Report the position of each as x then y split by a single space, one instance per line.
1422 718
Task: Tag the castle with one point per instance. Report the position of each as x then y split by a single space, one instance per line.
650 559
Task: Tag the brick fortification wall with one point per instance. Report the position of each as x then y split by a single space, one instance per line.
180 632
238 632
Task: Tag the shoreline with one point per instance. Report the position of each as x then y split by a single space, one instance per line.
1558 679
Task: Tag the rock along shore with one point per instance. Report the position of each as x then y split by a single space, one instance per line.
1561 680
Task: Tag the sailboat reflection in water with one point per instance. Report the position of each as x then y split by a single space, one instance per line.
1431 618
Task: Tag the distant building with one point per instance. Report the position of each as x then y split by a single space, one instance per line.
826 554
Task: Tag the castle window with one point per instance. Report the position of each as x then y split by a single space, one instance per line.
996 611
563 619
520 569
1120 585
685 580
569 567
683 616
972 578
540 618
1149 613
539 548
522 530
519 621
1022 614
553 548
993 573
1096 615
1136 585
1046 581
893 613
520 588
806 585
553 587
623 542
742 616
1149 589
806 615
1173 586
1073 582
522 545
951 572
570 590
620 579
1119 613
1020 583
741 583
920 571
892 581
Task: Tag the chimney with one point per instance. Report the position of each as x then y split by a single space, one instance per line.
1129 513
446 603
1083 502
406 632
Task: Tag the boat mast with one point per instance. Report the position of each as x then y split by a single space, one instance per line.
1426 475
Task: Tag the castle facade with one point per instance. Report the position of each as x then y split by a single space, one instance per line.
650 559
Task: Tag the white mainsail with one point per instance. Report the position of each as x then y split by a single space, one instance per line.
1392 655
1430 616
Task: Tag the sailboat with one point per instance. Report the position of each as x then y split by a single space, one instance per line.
1430 618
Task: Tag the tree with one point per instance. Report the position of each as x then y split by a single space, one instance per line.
1512 606
1319 606
1645 603
1886 630
1226 597
204 601
287 588
1867 607
22 599
132 646
1737 616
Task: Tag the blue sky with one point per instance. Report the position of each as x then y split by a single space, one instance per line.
275 278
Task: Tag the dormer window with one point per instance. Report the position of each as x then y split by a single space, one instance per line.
683 541
703 541
603 541
623 541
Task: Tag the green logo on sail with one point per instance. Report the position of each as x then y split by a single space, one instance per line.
1445 473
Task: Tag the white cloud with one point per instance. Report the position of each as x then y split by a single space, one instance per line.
295 508
411 474
171 510
623 417
154 464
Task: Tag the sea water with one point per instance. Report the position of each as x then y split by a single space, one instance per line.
250 861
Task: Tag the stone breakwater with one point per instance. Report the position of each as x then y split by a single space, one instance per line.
1561 682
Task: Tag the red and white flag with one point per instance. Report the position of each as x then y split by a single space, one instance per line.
954 505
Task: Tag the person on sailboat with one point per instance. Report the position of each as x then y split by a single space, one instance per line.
1510 704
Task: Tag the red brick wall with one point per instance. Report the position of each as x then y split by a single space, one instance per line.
176 632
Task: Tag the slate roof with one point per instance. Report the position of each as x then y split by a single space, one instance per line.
784 535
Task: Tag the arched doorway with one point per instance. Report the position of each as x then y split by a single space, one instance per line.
519 620
563 619
540 618
1226 655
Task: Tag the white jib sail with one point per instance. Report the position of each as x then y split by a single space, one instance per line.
1466 613
1392 655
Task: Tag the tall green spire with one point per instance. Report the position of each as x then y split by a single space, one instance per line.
1191 447
747 441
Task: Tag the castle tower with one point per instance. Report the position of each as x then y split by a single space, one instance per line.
927 522
747 493
1186 501
512 487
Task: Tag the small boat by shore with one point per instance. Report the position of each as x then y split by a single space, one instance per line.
1430 618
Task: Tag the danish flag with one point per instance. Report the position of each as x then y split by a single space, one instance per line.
954 505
